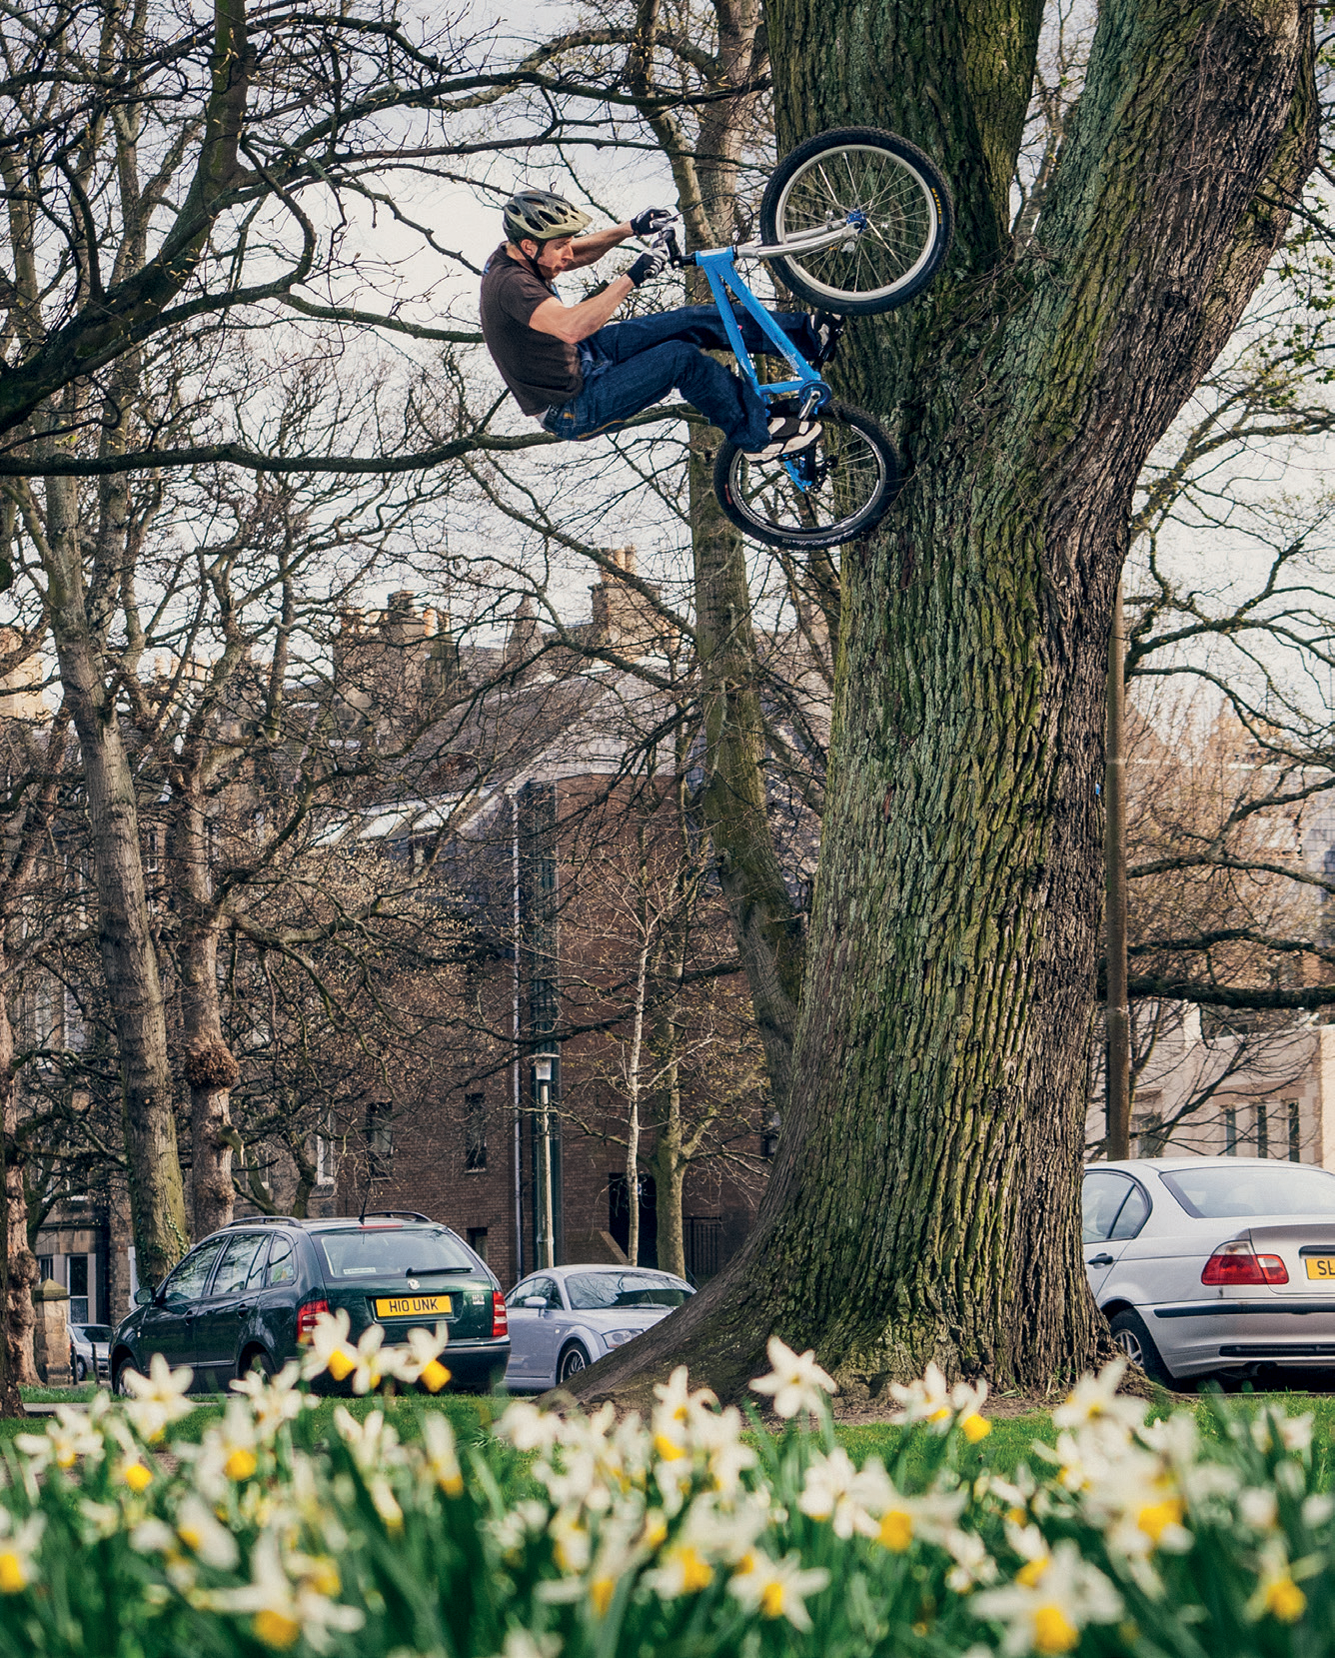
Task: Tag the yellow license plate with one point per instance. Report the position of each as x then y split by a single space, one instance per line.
1321 1266
412 1306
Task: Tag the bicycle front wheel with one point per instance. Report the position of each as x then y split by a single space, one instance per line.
845 484
894 201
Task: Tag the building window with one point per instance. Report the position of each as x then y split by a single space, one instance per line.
46 1268
379 1139
78 1288
1262 1130
1230 1131
703 1241
475 1132
1295 1132
477 1241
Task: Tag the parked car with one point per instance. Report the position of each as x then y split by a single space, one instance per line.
1213 1265
250 1294
564 1319
88 1351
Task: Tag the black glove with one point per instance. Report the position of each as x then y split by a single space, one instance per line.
648 265
651 221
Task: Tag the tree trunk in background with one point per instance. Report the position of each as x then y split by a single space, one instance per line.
125 938
668 1162
18 1265
209 1068
924 1200
1117 1008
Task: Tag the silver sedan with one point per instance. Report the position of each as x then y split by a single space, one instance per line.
563 1319
1213 1265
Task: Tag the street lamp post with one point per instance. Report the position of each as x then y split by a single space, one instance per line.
542 1076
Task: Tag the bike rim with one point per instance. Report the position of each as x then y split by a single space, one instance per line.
850 476
902 220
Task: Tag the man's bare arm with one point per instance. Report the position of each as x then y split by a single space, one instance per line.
588 250
573 323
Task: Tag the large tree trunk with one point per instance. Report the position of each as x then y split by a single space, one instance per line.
18 1265
923 1204
125 938
209 1068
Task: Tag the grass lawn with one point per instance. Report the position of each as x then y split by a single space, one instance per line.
1010 1442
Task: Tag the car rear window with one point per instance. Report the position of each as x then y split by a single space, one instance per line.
96 1332
378 1252
591 1290
1252 1188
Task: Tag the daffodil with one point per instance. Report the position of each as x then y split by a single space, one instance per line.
441 1459
285 1607
158 1398
778 1588
273 1400
418 1360
18 1550
1047 1616
796 1382
1095 1399
69 1436
329 1349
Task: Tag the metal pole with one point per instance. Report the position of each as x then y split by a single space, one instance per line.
1118 1008
548 1222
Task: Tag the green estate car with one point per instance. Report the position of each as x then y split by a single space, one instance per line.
249 1296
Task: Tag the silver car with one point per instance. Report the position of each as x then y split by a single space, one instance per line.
88 1351
563 1319
1213 1265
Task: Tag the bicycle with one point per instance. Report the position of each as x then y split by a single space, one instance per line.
855 221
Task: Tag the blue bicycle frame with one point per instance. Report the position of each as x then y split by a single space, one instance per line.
720 268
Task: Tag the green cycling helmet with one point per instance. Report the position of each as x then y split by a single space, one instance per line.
540 216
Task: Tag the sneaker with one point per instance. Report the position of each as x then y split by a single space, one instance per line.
828 327
787 436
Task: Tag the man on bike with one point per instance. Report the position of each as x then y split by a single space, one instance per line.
580 374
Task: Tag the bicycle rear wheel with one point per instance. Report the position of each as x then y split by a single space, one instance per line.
895 201
848 478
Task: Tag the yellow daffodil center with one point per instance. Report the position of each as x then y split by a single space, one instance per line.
896 1531
190 1537
1157 1517
667 1448
136 1476
1284 1599
276 1629
12 1579
975 1428
451 1484
340 1366
696 1574
940 1415
771 1600
1032 1570
65 1457
600 1592
240 1465
1053 1630
435 1376
324 1578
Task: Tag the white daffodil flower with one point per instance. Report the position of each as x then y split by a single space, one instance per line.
283 1611
528 1428
1047 1616
796 1381
926 1400
69 1436
1096 1399
778 1588
159 1398
418 1360
273 1399
974 1566
440 1463
329 1349
18 1550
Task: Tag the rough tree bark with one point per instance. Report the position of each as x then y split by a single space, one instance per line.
18 1265
923 1204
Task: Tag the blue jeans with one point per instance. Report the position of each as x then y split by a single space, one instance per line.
630 366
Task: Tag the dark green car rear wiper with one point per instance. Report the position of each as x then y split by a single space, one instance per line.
424 1272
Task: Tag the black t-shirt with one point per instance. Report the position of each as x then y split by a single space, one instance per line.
538 368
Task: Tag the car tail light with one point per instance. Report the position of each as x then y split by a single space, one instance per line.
306 1317
1238 1263
500 1317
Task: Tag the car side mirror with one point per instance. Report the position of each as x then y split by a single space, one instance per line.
539 1301
142 1296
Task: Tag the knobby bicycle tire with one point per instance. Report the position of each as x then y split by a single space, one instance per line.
855 475
910 219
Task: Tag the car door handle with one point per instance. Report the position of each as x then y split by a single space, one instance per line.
1101 1260
242 1308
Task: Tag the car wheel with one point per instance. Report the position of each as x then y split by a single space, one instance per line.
118 1386
1129 1333
80 1371
573 1360
257 1361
